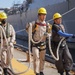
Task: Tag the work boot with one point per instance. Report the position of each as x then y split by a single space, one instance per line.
5 71
41 73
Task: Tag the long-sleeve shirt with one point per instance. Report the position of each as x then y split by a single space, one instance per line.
58 32
64 34
40 30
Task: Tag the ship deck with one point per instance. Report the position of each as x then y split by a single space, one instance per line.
22 64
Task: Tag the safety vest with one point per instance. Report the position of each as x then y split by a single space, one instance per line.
41 45
55 36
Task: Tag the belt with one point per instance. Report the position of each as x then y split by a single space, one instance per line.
41 46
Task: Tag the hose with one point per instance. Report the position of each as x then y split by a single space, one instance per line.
57 51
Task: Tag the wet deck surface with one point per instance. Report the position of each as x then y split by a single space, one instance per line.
49 67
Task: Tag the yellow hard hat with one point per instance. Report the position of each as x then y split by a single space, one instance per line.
56 15
42 11
3 15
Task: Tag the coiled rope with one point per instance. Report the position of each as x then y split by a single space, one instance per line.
30 28
8 54
4 61
29 61
57 50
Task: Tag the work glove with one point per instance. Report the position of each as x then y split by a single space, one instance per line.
73 36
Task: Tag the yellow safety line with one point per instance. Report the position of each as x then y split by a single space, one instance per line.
19 67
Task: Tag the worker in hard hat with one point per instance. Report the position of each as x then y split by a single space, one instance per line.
10 35
65 61
40 27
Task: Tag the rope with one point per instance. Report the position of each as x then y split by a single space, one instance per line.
57 50
52 19
8 54
64 13
4 62
30 33
29 61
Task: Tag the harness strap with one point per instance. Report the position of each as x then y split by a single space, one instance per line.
40 24
8 30
40 46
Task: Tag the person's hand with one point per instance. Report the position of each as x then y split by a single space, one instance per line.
14 42
11 44
73 36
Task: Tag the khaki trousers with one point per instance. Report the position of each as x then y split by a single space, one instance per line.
39 59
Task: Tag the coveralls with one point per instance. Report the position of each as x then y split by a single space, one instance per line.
65 61
10 35
39 49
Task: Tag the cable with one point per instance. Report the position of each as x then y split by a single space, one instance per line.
20 30
68 11
49 36
52 19
29 61
57 51
30 38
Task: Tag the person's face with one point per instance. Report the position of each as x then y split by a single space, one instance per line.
58 20
42 17
3 21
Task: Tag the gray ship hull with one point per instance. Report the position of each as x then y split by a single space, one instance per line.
19 20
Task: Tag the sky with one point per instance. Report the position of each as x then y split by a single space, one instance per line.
9 3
